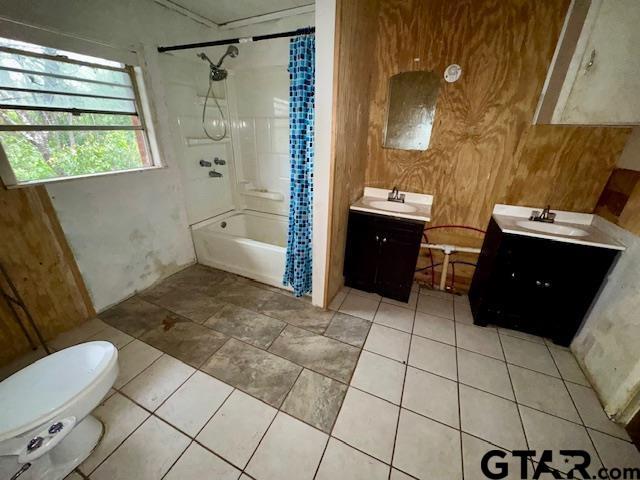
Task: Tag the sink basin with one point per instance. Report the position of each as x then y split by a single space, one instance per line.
392 206
553 228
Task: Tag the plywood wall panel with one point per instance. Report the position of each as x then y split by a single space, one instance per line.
630 216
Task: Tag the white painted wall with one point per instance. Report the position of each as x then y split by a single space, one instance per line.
127 230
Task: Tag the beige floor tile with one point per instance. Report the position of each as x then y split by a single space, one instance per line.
615 453
193 404
432 396
592 413
121 417
362 293
198 463
148 453
542 392
442 307
483 340
113 335
398 475
155 384
485 373
359 306
462 311
338 299
491 418
521 335
133 359
436 293
545 431
81 333
236 429
474 449
290 449
410 304
394 317
435 328
388 342
379 376
73 476
427 449
568 366
433 356
368 424
529 355
342 461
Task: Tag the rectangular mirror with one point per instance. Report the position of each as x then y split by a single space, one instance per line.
411 110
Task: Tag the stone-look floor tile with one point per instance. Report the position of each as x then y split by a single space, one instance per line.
154 385
81 333
198 463
435 328
379 376
316 352
236 429
432 396
568 366
522 335
410 304
121 417
529 355
542 392
194 305
74 476
545 431
427 449
348 329
483 340
289 449
360 306
388 342
194 403
148 453
259 373
185 340
315 399
485 373
433 356
368 424
473 449
133 359
592 413
21 362
299 313
491 418
117 337
394 317
246 325
135 316
245 295
615 453
342 461
462 311
441 307
197 278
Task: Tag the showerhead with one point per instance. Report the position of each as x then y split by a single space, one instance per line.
232 51
218 73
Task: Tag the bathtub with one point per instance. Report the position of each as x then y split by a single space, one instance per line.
251 244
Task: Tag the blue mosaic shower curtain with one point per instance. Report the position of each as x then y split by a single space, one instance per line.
297 272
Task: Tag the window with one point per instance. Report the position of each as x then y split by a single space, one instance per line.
64 115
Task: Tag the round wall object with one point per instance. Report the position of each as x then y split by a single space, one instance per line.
452 72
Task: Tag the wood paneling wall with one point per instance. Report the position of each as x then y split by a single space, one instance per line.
38 259
483 148
630 216
356 27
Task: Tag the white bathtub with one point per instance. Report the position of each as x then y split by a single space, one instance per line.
251 244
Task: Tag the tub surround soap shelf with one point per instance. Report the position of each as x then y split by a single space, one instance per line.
266 194
416 206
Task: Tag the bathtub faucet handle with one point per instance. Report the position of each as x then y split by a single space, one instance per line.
204 163
214 174
219 161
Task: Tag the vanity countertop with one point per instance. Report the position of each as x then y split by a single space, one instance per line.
579 227
416 206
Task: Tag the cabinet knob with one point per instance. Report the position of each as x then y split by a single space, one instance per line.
384 239
377 238
538 283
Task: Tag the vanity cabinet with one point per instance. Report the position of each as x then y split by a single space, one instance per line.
382 253
544 287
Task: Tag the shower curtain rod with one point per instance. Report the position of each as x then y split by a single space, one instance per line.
230 41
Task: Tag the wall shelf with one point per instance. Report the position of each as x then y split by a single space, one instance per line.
200 141
276 196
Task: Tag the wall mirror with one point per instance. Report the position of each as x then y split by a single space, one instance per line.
411 110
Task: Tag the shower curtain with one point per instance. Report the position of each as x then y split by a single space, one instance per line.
297 272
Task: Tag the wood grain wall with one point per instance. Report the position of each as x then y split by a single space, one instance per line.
356 29
483 148
38 259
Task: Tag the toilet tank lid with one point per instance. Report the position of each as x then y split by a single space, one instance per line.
46 387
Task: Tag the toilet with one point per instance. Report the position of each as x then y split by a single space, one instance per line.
45 426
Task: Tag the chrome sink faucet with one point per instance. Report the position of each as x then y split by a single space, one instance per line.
546 216
396 196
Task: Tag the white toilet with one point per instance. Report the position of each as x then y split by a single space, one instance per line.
45 427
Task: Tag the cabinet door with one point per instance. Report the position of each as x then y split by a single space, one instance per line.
363 249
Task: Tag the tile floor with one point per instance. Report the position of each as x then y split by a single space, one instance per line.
225 378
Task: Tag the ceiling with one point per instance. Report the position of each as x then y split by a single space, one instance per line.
225 11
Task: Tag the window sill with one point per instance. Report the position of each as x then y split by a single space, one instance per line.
83 177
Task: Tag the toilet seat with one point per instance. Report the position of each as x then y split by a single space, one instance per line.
44 389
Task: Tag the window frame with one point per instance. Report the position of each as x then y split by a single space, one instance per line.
140 101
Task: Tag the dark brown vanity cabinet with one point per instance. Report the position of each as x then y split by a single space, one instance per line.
381 254
535 285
